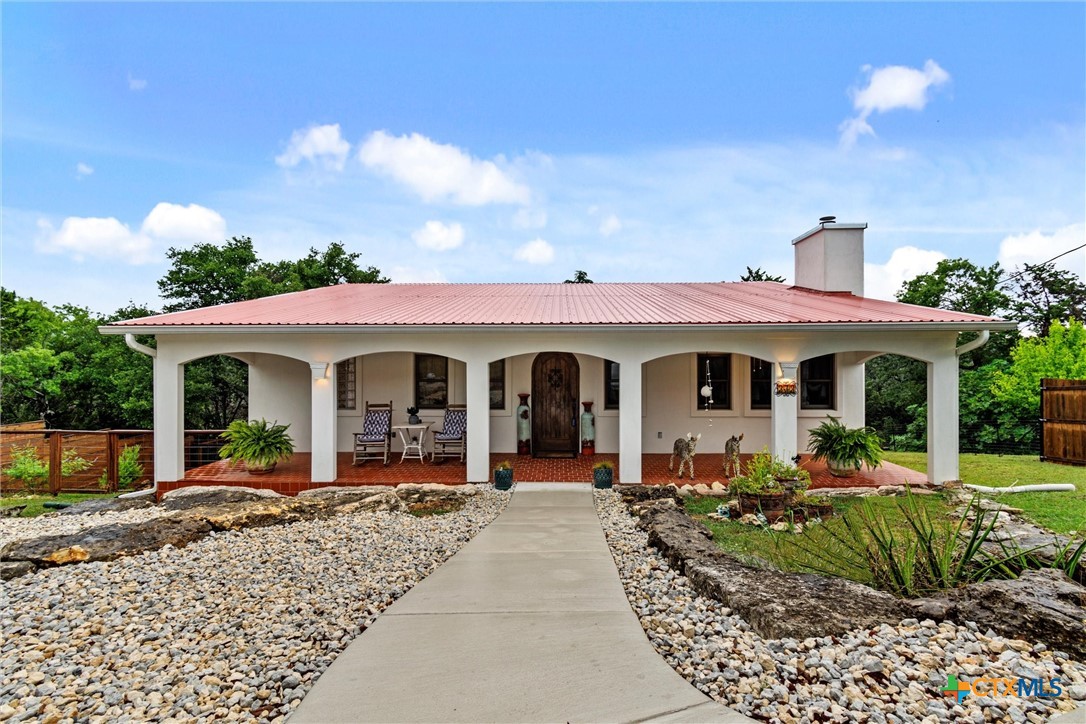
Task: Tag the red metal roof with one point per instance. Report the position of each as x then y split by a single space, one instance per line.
725 303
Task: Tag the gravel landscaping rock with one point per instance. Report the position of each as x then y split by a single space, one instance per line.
891 672
236 626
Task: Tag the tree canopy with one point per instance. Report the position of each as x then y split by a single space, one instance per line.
56 366
579 277
759 275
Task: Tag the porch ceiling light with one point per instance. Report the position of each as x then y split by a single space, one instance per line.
320 370
786 387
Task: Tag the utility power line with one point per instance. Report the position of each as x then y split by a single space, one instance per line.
1018 274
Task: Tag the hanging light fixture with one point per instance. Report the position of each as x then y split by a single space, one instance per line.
707 388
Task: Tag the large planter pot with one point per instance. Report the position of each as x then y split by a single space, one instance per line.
259 469
503 479
840 469
603 477
771 505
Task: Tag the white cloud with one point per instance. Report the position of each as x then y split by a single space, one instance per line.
320 145
890 88
1036 247
136 84
82 169
438 236
537 251
438 171
83 237
108 238
883 281
184 223
415 275
530 219
611 225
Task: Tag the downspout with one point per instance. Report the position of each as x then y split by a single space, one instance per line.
970 346
130 340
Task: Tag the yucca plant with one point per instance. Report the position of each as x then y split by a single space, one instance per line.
922 556
258 443
844 448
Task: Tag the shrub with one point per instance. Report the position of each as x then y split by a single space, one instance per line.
130 470
28 468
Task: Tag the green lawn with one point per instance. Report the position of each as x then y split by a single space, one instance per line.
751 543
1061 512
35 503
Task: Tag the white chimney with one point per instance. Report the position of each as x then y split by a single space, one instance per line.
830 257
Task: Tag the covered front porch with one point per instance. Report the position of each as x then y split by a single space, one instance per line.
293 476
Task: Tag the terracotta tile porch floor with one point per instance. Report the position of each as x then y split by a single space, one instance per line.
292 476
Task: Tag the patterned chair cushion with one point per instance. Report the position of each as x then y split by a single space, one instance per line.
359 438
376 425
456 423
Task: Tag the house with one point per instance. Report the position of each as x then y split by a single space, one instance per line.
780 358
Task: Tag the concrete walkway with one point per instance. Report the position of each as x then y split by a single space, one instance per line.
527 623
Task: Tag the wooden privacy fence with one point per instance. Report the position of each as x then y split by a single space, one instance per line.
88 461
1063 421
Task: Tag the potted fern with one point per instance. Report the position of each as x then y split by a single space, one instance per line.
258 443
843 448
603 474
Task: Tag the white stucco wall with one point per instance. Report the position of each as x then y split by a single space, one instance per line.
279 390
664 357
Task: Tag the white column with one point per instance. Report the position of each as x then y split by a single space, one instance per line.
323 420
629 422
784 441
943 419
169 419
478 402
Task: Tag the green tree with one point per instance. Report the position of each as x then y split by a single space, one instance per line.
579 277
1060 354
25 321
1043 294
759 275
216 388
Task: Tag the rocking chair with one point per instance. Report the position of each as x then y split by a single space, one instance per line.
451 440
375 440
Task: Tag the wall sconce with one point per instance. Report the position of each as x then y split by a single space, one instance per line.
319 369
786 387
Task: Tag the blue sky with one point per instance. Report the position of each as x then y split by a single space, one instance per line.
522 142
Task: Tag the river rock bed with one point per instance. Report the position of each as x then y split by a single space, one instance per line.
885 674
234 627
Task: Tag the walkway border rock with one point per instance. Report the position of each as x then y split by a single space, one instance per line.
222 508
1043 606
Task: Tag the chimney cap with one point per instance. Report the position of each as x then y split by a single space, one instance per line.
827 219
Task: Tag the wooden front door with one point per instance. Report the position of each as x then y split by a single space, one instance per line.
556 381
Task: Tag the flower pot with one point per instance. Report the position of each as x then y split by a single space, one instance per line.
259 469
603 477
772 505
840 469
503 479
414 420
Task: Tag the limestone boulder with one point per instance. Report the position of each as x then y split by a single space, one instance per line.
1043 606
640 493
260 513
195 496
386 501
344 491
776 604
13 569
107 542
